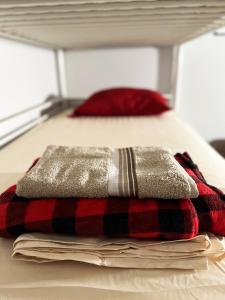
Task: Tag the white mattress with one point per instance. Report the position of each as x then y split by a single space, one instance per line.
63 280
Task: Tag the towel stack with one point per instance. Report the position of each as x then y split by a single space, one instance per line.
106 207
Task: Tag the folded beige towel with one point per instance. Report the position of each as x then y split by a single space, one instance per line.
122 253
68 172
148 172
161 176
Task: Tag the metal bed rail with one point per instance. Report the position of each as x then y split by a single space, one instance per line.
44 110
33 108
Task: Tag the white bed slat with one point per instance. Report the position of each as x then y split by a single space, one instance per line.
68 24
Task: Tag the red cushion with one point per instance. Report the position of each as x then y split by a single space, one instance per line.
123 102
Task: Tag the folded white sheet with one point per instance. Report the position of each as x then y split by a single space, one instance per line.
122 253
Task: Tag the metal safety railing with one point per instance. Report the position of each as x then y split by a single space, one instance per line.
44 110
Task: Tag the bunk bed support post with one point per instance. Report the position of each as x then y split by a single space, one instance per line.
60 72
175 77
167 73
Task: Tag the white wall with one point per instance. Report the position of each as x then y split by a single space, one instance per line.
201 86
92 70
27 76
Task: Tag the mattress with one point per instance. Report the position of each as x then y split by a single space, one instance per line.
167 130
63 280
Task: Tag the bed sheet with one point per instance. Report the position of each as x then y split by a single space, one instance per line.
70 278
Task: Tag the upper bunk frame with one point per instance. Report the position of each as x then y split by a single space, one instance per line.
78 24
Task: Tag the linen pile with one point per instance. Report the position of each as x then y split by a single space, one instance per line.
191 253
113 204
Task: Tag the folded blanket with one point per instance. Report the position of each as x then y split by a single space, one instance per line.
93 172
210 205
123 253
127 217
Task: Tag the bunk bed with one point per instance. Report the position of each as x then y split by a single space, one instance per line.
85 24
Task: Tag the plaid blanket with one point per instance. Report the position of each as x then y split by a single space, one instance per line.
116 217
210 205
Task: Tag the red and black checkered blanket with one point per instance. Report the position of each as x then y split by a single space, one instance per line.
210 204
117 217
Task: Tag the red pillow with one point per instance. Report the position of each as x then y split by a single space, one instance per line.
123 102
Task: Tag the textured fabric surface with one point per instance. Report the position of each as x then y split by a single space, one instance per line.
159 175
122 253
115 172
122 174
210 205
84 172
68 172
122 102
127 217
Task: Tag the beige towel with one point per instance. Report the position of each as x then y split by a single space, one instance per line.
159 174
122 253
101 172
68 172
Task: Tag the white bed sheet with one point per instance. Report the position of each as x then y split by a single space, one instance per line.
21 278
64 280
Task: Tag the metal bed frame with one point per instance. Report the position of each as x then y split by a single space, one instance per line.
49 108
